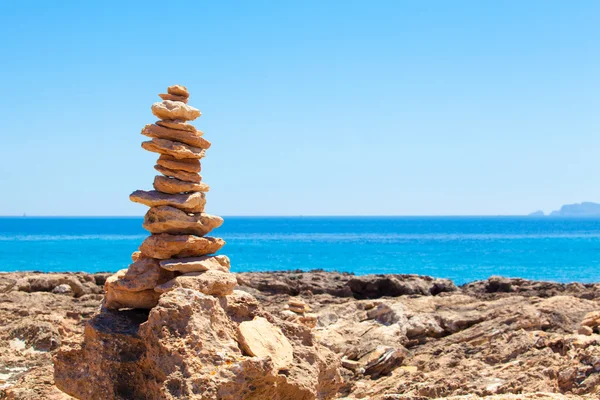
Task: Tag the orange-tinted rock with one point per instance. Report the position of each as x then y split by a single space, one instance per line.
191 202
117 298
212 282
168 109
135 255
182 175
178 90
179 124
187 137
197 264
175 149
165 219
165 246
260 338
166 96
174 185
183 164
143 274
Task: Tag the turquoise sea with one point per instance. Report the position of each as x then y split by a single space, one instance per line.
460 248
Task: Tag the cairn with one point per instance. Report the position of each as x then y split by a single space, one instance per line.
178 253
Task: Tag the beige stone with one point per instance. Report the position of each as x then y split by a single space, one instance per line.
167 96
135 255
179 124
165 246
585 330
260 338
175 149
182 175
183 164
197 264
143 274
116 298
187 137
168 109
174 185
191 202
167 219
212 282
178 90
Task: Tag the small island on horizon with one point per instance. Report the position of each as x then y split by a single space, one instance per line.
584 209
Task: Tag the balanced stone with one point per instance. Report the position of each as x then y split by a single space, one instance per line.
175 149
187 137
215 283
135 255
179 124
183 164
174 185
165 246
182 175
178 90
166 219
260 338
116 298
191 202
168 109
144 274
197 264
173 97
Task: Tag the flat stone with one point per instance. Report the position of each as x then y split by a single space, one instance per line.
168 109
214 283
187 137
178 90
166 219
174 185
183 164
197 264
260 338
191 202
167 96
179 124
165 246
115 298
144 274
182 175
175 149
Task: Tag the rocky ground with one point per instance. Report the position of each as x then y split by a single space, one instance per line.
399 336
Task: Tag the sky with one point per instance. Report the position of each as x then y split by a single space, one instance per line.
312 107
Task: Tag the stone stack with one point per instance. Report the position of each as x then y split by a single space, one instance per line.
178 253
297 310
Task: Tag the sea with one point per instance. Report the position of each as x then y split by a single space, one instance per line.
463 249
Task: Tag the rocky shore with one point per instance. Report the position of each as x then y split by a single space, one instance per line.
399 336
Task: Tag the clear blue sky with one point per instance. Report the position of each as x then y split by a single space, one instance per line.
313 107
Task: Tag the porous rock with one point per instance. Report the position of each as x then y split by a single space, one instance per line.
178 90
175 149
167 96
197 264
211 282
191 202
165 246
174 185
117 298
187 137
178 124
168 109
260 338
182 175
181 164
166 219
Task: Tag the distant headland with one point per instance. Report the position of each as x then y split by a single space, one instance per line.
585 209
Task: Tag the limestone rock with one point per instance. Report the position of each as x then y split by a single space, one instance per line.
178 90
212 282
135 255
179 124
167 96
167 219
259 338
174 185
197 264
187 137
182 175
592 320
116 298
192 202
143 274
175 149
183 164
165 246
168 109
